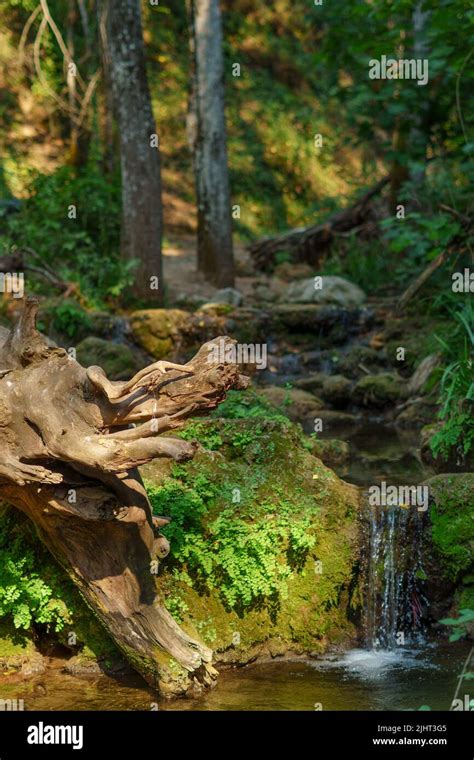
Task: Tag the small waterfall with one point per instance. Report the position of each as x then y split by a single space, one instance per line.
395 599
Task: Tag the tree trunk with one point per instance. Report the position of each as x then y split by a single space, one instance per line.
139 155
215 252
68 459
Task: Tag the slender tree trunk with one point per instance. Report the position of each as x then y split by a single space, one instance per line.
106 104
139 155
215 252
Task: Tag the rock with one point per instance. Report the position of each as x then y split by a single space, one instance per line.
329 324
18 652
231 296
261 483
378 390
117 359
334 291
168 332
335 389
422 374
417 414
331 451
359 357
299 406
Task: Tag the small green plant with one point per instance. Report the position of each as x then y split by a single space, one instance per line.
460 626
457 390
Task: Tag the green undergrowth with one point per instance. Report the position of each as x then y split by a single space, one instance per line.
36 596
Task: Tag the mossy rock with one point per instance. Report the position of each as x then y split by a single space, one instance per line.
378 390
18 652
117 359
297 404
331 451
235 576
173 332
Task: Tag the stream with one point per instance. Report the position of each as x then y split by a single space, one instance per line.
384 676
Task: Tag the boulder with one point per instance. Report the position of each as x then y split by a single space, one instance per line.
168 333
334 291
231 296
299 406
378 390
118 360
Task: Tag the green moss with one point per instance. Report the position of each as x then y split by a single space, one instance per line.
452 522
261 556
378 390
116 359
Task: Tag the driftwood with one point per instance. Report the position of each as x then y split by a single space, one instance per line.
69 458
309 244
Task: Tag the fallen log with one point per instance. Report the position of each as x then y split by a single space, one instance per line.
309 244
69 458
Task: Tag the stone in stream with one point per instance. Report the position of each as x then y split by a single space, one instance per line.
325 290
378 390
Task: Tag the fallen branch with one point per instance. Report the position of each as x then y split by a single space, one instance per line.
308 244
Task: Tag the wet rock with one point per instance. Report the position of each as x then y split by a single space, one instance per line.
230 296
298 405
332 451
334 291
360 359
18 653
335 389
415 415
378 390
330 325
118 360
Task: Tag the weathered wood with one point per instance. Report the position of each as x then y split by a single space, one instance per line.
68 459
309 244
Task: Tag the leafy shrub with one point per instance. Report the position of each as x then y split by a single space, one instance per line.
84 250
25 594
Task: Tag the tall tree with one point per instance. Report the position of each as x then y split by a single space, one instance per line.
139 155
209 144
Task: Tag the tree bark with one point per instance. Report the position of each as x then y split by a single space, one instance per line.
215 250
69 458
139 155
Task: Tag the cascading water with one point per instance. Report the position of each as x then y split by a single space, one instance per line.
395 598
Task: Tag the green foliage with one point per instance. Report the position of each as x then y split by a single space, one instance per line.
246 405
84 250
35 592
457 389
65 317
25 594
247 561
461 625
